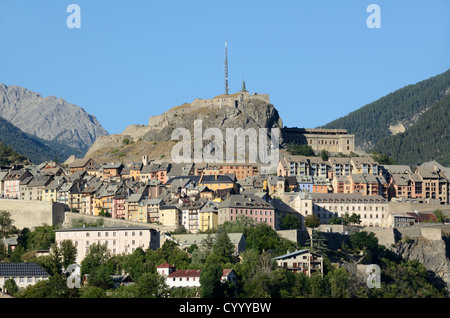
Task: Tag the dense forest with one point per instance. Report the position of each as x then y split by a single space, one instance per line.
32 147
258 274
370 123
428 139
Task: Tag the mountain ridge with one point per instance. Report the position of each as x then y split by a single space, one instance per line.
49 118
410 124
37 150
374 121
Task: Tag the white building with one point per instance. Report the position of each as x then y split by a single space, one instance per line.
303 261
189 277
23 274
118 239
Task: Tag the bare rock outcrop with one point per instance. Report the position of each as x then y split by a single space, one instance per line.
239 110
49 118
431 253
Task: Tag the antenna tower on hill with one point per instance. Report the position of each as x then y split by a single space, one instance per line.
226 70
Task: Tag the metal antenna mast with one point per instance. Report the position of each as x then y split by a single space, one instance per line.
226 70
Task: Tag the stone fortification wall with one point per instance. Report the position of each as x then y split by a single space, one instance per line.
160 121
297 236
30 214
135 131
71 217
389 236
399 207
105 142
385 236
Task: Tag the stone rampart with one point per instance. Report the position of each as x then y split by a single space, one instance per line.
30 214
71 217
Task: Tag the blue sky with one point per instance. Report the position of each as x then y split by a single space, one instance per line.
318 60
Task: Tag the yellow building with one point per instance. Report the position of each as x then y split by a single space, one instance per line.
364 165
208 216
217 182
103 201
50 192
169 215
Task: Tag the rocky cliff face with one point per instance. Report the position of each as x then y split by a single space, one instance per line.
49 118
431 253
251 112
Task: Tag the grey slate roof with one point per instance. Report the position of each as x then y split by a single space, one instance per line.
244 201
293 254
21 269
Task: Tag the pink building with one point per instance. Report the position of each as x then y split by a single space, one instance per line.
252 207
12 183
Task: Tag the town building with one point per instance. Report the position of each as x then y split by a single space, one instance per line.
302 261
189 277
11 183
190 214
170 216
330 140
24 274
118 239
252 207
371 209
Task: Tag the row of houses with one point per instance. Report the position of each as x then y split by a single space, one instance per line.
363 175
197 201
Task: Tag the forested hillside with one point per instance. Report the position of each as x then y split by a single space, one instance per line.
8 156
36 149
402 108
428 139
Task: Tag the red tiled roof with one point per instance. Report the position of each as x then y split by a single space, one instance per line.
422 216
186 273
165 265
195 273
226 272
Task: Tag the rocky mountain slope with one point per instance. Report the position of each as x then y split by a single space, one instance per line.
433 254
36 149
155 139
49 118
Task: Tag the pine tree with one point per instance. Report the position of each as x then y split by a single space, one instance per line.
317 243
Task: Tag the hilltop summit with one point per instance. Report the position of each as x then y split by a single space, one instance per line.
49 118
238 110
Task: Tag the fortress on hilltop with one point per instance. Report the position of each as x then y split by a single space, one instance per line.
241 109
236 100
